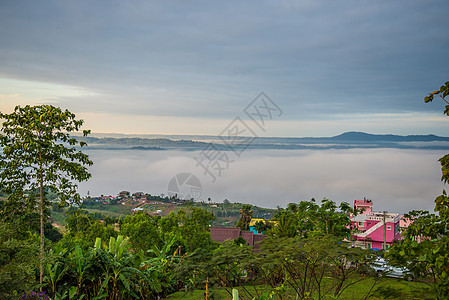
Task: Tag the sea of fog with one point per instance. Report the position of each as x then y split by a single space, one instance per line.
397 180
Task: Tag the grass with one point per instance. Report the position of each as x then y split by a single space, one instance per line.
384 288
106 213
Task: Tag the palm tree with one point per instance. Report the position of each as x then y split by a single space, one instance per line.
246 215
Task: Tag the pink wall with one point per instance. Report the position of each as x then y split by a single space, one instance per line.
365 204
377 236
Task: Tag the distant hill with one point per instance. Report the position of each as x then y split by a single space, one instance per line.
367 137
345 140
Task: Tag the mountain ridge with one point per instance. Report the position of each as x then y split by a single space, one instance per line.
346 140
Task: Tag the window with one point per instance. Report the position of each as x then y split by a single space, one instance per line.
369 245
360 224
388 227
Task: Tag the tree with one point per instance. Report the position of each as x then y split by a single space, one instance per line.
443 92
142 230
39 156
319 265
263 226
425 247
307 218
83 230
194 228
245 217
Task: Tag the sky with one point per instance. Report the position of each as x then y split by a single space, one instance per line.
191 67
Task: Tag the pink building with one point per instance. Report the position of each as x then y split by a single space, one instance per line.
373 228
365 205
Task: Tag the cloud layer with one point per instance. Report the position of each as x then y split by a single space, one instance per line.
397 180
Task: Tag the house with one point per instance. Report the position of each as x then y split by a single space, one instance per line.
221 234
375 228
123 194
365 205
252 225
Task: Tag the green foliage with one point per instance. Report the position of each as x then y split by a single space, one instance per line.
318 265
83 230
263 226
38 157
442 92
309 218
112 271
188 227
19 256
245 217
38 150
52 233
302 264
194 228
142 230
227 266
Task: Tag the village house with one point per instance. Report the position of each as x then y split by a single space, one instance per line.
374 229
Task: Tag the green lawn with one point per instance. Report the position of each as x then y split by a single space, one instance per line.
384 288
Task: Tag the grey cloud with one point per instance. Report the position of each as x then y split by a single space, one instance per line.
204 59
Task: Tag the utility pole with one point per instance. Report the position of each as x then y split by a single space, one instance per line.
385 233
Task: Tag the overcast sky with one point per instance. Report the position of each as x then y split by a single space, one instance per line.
190 67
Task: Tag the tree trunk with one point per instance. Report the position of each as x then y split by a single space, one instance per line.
41 198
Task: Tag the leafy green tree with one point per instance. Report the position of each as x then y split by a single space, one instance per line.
227 266
189 228
83 230
425 246
327 218
142 230
308 218
245 217
286 224
39 155
263 226
318 265
195 228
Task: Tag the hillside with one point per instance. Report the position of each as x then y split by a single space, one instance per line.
227 213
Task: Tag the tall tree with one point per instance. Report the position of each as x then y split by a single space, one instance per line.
38 156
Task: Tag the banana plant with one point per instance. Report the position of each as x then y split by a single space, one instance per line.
81 263
121 276
54 275
159 267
